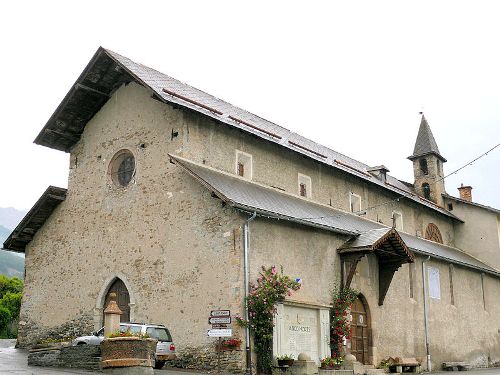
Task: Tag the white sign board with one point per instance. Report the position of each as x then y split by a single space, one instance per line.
219 320
227 332
220 313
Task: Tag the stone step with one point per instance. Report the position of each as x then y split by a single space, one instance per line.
374 371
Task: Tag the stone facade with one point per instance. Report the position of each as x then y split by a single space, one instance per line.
179 251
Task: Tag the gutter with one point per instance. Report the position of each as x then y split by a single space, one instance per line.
246 249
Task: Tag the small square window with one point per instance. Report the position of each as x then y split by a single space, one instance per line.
354 202
305 186
243 167
397 220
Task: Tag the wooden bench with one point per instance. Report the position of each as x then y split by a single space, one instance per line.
459 366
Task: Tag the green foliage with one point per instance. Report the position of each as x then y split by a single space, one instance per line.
271 287
128 333
10 304
5 317
285 357
340 327
10 284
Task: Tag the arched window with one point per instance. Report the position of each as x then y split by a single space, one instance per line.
423 166
427 190
432 233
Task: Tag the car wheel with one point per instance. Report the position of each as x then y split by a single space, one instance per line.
159 364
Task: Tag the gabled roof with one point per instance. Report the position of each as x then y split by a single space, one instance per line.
425 143
35 218
488 208
272 203
108 70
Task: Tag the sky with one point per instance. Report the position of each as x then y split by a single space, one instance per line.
351 75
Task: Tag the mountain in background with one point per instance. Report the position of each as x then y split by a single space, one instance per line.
10 217
11 264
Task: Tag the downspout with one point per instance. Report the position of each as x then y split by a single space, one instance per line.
246 249
426 315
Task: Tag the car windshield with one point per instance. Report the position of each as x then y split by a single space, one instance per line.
132 329
161 334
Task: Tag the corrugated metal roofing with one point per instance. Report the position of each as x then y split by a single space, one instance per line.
172 90
250 196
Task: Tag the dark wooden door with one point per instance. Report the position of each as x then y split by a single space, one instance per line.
359 327
122 299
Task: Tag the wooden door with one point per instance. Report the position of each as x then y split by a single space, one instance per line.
360 329
122 299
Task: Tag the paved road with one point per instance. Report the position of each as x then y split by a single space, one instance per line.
15 362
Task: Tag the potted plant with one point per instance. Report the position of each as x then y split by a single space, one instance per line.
285 360
127 349
331 363
230 344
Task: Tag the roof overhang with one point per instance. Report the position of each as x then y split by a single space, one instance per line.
34 219
387 245
100 78
413 157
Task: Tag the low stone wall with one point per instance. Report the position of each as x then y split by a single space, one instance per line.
83 357
205 358
29 333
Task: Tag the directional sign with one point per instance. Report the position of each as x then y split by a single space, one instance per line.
228 332
220 313
219 326
219 320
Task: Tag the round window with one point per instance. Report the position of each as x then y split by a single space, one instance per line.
122 168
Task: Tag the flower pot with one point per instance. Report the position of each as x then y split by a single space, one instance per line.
127 352
285 362
331 367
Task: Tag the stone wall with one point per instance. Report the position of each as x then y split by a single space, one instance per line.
206 359
82 356
31 332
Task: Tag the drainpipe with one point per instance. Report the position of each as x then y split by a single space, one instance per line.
246 249
426 315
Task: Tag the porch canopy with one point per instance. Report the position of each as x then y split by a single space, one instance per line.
386 244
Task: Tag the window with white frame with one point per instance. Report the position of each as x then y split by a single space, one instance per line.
304 185
243 167
434 285
354 202
397 219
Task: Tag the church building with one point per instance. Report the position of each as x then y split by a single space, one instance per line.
169 188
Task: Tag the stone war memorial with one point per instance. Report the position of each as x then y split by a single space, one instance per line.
182 204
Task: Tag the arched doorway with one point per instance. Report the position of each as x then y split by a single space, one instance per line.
361 331
122 299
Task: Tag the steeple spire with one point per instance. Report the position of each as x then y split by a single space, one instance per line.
428 165
425 143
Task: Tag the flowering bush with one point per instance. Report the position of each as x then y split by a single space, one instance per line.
271 287
128 334
231 342
342 299
331 361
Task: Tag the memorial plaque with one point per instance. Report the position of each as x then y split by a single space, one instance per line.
301 331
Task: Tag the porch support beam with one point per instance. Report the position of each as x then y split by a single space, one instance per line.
386 271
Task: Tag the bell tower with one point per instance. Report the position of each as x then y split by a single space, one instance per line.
428 165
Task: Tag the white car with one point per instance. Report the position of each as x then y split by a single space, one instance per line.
165 348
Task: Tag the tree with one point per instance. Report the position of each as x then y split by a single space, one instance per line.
10 304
